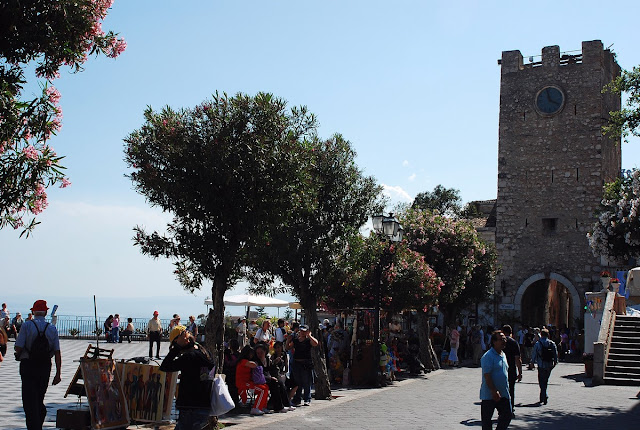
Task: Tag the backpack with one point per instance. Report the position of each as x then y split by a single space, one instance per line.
39 351
547 351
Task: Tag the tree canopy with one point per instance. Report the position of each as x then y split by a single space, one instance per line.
626 121
332 202
47 34
404 279
227 170
446 201
616 233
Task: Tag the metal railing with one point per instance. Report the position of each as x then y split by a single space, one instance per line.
84 327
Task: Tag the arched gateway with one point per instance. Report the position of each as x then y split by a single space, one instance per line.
544 300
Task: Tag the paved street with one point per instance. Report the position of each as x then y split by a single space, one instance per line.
447 399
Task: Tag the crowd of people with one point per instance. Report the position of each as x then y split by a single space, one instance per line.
471 342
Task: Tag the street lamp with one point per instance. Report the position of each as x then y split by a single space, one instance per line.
388 229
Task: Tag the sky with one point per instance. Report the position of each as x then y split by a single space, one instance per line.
413 85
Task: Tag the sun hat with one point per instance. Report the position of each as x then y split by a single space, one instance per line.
40 306
177 331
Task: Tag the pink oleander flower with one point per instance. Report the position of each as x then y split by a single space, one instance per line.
65 183
53 94
30 152
40 190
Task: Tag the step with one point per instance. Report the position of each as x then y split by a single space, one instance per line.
623 363
619 368
626 329
628 350
621 338
618 380
617 355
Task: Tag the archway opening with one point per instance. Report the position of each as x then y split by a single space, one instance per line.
547 302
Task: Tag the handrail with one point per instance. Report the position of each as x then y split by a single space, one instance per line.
601 347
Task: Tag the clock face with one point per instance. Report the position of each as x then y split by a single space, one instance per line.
549 100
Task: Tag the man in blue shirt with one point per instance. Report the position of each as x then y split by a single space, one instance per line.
494 391
34 373
545 355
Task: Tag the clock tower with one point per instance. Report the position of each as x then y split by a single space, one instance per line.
552 163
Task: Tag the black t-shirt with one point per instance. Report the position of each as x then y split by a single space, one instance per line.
195 385
301 350
512 350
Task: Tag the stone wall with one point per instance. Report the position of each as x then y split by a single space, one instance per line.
551 168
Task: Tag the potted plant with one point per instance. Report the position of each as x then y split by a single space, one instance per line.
587 359
74 332
615 285
605 277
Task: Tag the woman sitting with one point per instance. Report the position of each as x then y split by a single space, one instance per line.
279 398
279 368
245 381
128 331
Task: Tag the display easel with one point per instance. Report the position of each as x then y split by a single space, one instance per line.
92 353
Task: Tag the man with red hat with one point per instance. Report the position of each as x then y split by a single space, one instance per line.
154 331
35 369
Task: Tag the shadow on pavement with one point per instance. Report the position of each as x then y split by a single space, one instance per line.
580 377
602 418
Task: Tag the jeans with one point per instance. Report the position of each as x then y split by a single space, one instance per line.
543 381
504 413
154 336
193 419
35 380
115 335
513 377
303 375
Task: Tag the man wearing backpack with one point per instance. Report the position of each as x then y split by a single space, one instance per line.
37 342
545 355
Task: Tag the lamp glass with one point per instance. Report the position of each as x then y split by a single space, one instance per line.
376 220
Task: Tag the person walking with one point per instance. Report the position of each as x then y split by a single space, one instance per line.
154 331
193 362
454 342
37 342
477 344
512 351
494 390
545 355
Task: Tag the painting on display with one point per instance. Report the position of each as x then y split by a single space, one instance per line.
105 395
148 391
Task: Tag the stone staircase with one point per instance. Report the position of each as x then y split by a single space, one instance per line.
623 365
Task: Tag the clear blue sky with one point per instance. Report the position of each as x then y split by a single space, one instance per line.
414 85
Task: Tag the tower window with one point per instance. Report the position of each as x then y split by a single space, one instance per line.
549 225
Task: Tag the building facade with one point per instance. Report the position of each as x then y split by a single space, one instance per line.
553 161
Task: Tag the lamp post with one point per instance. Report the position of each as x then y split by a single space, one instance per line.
388 229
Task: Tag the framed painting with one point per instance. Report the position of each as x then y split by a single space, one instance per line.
107 404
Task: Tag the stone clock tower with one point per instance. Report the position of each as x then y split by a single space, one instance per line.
552 163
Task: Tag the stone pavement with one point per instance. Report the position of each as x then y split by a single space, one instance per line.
11 412
446 399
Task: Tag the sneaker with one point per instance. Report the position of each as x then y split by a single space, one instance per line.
307 403
267 411
256 411
283 410
297 405
291 408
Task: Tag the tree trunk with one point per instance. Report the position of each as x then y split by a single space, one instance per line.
214 327
321 383
427 354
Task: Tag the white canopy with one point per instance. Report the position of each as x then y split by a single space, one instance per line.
251 300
